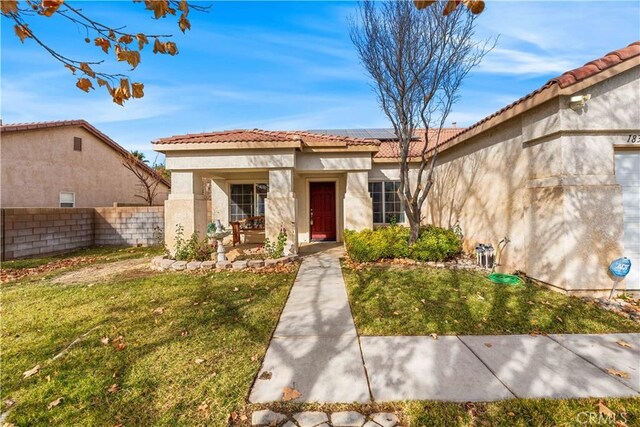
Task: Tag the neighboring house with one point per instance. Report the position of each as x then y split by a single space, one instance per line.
67 164
557 172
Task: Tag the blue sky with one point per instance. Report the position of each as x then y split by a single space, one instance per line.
287 65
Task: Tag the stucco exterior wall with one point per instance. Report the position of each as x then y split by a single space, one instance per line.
38 164
546 180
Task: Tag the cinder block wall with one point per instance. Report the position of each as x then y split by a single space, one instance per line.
41 231
129 226
29 232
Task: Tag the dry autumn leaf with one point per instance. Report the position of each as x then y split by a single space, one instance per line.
103 43
31 372
49 7
54 403
289 394
113 388
159 310
266 375
434 336
9 6
142 40
488 345
204 405
624 344
617 373
199 361
604 410
104 340
22 31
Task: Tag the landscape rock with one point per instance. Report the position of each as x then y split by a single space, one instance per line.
270 262
179 265
194 265
371 424
347 419
239 265
385 419
208 265
233 254
256 263
283 260
310 418
289 424
166 263
157 261
267 417
223 264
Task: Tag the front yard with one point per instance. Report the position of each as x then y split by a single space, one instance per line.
394 300
154 349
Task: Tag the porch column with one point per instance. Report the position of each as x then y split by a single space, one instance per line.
280 208
357 206
185 206
220 201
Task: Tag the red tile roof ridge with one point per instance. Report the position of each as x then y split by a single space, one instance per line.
567 79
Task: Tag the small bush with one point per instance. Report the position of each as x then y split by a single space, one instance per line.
193 249
434 244
276 249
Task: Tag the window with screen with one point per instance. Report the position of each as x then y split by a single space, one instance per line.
247 200
387 207
67 199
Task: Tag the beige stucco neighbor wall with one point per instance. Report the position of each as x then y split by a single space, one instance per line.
545 179
38 164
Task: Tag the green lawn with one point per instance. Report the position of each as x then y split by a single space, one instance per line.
224 319
388 300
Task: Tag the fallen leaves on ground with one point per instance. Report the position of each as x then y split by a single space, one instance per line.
104 340
488 345
623 343
434 336
54 403
113 388
266 375
289 394
10 274
604 410
199 361
159 310
204 405
617 373
31 372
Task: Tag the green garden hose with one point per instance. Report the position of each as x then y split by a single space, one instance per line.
505 279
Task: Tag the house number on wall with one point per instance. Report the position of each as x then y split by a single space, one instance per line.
633 139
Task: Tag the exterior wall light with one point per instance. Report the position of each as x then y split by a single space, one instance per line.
577 102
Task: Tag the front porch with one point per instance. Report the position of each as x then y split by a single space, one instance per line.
309 207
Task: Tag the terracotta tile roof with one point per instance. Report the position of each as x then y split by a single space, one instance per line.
390 149
259 135
565 80
16 127
594 67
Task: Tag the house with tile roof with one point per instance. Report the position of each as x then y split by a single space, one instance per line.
555 173
68 164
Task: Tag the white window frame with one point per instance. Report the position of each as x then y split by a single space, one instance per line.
73 195
384 213
255 195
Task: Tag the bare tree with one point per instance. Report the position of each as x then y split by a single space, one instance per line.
148 179
417 60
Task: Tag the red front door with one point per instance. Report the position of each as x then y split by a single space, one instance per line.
322 210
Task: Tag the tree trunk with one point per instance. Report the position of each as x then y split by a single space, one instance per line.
414 225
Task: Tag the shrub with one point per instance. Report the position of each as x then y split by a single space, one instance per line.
193 249
276 249
434 244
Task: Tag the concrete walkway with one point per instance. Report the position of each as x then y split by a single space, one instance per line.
316 350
